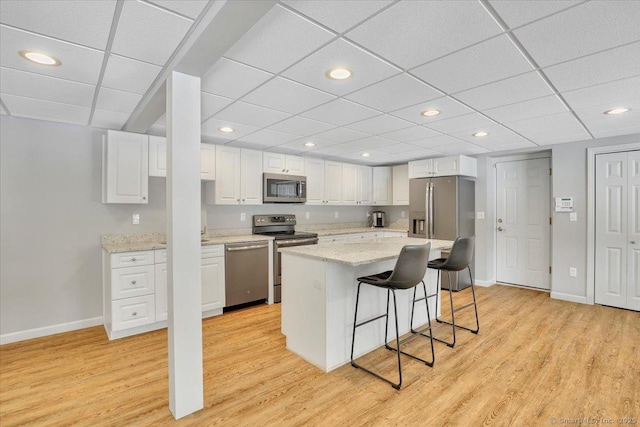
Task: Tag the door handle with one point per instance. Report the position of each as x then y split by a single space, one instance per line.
246 248
501 229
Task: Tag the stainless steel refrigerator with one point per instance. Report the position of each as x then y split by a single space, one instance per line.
443 208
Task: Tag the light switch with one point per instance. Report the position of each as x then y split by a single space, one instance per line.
336 214
573 216
307 215
402 214
243 216
573 272
135 219
479 215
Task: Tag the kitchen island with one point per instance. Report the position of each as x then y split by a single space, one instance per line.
319 290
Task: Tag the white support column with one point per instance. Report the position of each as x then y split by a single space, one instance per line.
183 245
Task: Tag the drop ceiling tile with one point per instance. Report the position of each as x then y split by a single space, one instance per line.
298 144
300 126
505 92
108 119
370 143
595 69
527 109
410 33
79 64
46 110
129 75
410 134
282 150
447 106
148 33
340 16
380 124
605 132
515 146
83 22
211 128
338 149
117 100
486 62
562 37
463 148
286 95
211 104
551 129
415 153
614 124
366 68
38 86
396 148
609 93
436 141
232 79
340 112
374 158
341 134
191 8
278 40
498 135
394 93
242 112
517 13
468 122
268 138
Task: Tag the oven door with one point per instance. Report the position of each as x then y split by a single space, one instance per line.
284 188
277 264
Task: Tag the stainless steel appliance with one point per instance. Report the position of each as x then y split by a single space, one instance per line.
443 208
377 219
279 188
282 228
246 267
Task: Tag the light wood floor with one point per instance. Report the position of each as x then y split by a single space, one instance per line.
534 359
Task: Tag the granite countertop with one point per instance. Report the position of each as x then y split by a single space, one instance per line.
360 253
127 245
337 231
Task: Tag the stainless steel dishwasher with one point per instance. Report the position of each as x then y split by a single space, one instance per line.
246 267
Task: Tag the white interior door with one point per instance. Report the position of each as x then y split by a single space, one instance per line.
617 234
523 222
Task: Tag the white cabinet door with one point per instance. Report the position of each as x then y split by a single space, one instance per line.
125 168
421 168
294 165
382 187
455 165
227 187
157 156
349 190
251 177
212 278
207 162
273 163
162 304
364 185
333 182
315 181
400 181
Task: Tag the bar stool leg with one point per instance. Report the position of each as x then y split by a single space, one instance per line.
355 322
475 306
395 312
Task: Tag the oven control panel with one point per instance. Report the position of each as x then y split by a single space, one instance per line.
264 220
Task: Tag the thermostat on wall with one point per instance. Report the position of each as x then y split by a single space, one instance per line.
564 204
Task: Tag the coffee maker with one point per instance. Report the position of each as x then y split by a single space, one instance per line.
377 219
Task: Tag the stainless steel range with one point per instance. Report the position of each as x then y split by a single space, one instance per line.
282 228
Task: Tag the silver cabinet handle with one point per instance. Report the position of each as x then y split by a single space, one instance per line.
501 229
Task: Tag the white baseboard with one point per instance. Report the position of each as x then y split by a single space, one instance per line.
569 297
484 283
49 330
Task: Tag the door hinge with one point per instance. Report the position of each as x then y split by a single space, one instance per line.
549 269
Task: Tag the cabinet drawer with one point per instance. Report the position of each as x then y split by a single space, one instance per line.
160 256
212 251
130 259
132 281
132 312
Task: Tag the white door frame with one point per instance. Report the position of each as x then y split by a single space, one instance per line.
591 209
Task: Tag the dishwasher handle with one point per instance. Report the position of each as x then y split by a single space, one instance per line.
246 248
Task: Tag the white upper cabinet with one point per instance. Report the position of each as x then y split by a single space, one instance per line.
332 182
382 186
349 190
401 185
283 164
125 167
444 166
238 175
315 181
207 162
158 158
364 182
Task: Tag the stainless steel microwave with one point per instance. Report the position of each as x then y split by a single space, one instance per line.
279 188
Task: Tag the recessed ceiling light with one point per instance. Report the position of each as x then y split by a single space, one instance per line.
481 133
365 154
617 111
40 58
226 129
429 113
309 144
339 73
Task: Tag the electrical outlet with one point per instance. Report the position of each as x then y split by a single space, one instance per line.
479 215
307 215
573 272
135 219
402 214
335 214
243 216
573 216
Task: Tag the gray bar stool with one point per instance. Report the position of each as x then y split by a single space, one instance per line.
458 260
408 272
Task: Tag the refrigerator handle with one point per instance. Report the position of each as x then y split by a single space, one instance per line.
431 211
